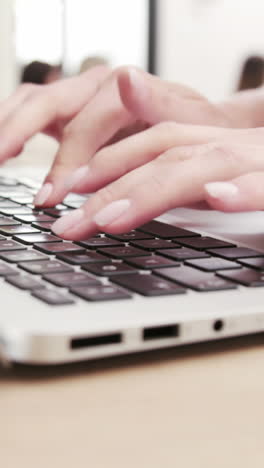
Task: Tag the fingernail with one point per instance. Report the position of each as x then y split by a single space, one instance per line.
77 177
137 82
221 190
111 212
43 194
68 221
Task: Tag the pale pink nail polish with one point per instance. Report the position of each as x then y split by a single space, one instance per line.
68 221
43 194
221 190
111 212
77 177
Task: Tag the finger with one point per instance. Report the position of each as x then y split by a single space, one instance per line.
244 193
152 189
149 101
116 160
44 105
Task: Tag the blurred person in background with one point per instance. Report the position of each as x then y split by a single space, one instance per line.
41 73
252 74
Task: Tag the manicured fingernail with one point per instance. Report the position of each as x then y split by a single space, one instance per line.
111 212
68 221
77 176
43 194
221 190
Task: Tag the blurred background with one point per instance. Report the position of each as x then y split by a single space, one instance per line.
203 43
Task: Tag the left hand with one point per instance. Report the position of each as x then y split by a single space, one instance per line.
164 167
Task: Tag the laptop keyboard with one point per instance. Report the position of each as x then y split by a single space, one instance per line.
154 260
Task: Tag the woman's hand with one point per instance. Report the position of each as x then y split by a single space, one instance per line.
167 166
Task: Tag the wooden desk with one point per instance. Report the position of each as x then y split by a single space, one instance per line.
200 406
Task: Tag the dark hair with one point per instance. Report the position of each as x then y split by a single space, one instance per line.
252 75
36 72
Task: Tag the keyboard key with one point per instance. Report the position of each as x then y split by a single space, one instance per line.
10 245
44 266
16 211
2 238
46 226
4 221
8 204
203 243
195 279
100 292
154 261
70 279
57 247
165 231
108 269
8 181
32 218
23 199
96 242
24 282
75 258
245 276
123 252
128 236
212 264
153 244
148 285
30 239
20 229
57 213
6 270
52 297
235 253
257 263
183 253
24 256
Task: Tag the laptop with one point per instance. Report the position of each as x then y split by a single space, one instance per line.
191 275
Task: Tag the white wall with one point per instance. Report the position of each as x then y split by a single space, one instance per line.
7 48
203 43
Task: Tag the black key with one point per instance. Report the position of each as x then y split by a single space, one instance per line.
33 218
44 266
75 258
21 229
234 253
56 213
123 252
203 243
6 270
100 292
70 279
46 226
10 245
165 231
195 279
182 253
245 276
24 282
16 211
153 244
24 256
52 297
148 285
57 247
108 269
257 263
153 261
8 204
4 221
212 264
128 236
30 239
99 242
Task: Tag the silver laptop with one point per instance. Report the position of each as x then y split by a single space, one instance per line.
189 276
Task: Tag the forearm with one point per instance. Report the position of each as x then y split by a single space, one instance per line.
245 109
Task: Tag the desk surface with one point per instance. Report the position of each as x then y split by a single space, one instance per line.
200 406
193 407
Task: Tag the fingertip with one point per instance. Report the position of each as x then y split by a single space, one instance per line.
132 89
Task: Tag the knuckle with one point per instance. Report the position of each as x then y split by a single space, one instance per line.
228 154
106 195
28 88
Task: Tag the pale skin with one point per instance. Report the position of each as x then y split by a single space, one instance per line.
141 144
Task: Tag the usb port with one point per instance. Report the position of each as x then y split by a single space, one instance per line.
97 340
161 332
